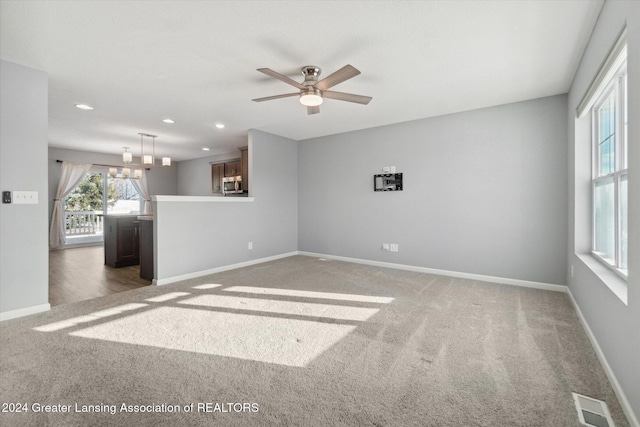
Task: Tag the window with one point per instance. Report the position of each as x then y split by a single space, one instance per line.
122 196
610 172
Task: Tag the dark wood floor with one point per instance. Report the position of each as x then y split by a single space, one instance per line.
80 274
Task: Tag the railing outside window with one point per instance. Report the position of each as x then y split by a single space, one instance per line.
83 223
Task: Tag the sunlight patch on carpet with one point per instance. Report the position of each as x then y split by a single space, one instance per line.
339 312
207 286
310 294
280 341
167 296
56 326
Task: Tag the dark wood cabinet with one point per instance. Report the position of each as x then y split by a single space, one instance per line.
121 240
146 249
244 166
235 167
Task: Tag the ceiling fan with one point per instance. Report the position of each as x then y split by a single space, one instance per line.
312 92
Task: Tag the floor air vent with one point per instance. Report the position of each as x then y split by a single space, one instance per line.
592 412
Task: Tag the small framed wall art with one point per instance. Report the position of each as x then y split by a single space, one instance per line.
387 182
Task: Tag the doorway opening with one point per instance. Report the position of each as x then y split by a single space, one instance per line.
78 271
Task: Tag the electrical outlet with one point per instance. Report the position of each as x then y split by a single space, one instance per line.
393 247
25 197
385 246
250 245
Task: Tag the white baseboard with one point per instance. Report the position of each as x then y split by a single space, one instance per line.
492 279
173 279
13 314
622 398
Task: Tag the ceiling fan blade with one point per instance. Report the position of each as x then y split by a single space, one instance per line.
281 77
339 76
269 98
313 110
341 96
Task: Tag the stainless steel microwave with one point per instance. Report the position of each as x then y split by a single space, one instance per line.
232 184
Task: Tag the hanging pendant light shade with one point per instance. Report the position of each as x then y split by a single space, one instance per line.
147 159
127 157
137 173
166 161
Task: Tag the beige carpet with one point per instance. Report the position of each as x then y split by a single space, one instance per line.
304 342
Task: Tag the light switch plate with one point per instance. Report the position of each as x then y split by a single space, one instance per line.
393 247
25 197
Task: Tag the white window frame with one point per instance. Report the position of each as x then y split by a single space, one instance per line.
616 87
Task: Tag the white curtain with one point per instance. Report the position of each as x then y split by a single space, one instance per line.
72 174
141 187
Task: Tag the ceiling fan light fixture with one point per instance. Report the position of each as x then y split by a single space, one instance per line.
311 98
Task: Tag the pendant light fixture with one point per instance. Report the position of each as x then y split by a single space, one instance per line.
147 160
150 157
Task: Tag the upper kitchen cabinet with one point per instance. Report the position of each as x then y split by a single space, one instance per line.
217 173
244 163
232 169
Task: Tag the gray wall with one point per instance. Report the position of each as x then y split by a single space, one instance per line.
194 176
199 236
24 256
160 180
615 324
484 192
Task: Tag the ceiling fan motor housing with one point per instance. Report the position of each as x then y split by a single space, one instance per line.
310 73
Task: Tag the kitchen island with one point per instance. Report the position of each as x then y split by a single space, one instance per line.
128 240
121 240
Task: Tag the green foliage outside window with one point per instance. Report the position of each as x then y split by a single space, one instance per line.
88 194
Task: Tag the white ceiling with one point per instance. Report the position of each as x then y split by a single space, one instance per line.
138 62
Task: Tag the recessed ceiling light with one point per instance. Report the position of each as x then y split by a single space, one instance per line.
219 125
84 107
169 121
205 148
